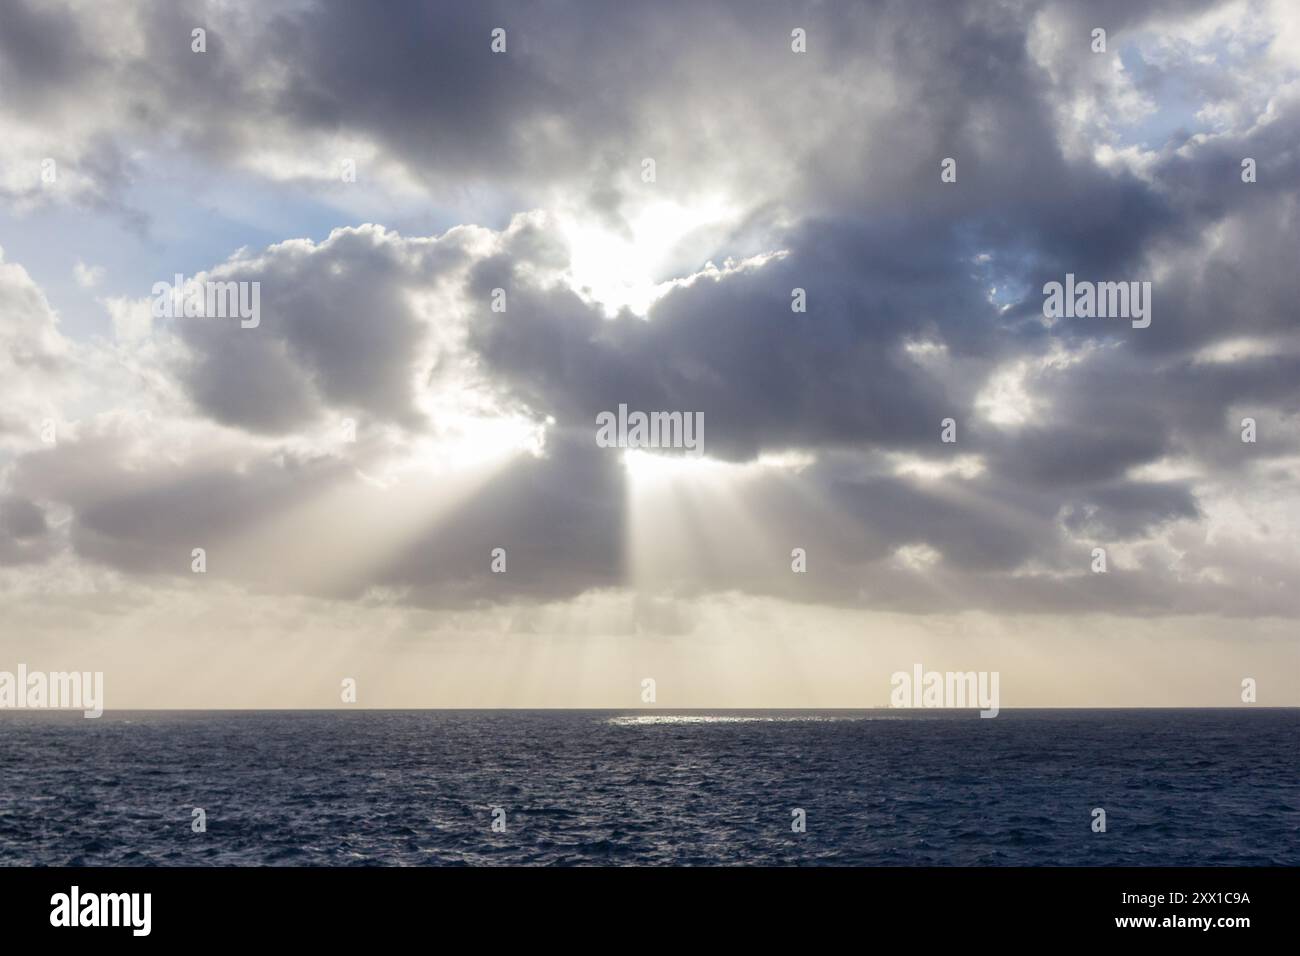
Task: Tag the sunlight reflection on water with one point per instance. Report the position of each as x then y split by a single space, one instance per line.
640 720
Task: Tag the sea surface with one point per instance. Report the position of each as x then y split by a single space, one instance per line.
877 787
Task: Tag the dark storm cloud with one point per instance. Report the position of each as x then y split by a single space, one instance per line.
44 55
1128 511
587 89
337 329
732 348
423 80
150 521
25 535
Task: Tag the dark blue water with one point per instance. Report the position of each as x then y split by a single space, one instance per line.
605 787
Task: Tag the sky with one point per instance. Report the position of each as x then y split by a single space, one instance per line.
469 244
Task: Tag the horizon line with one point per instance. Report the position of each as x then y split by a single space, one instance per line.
120 710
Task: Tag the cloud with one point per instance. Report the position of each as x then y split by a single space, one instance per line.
778 171
25 535
87 276
35 358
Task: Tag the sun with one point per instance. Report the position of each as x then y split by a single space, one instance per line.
632 268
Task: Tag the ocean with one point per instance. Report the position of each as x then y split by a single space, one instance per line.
876 787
